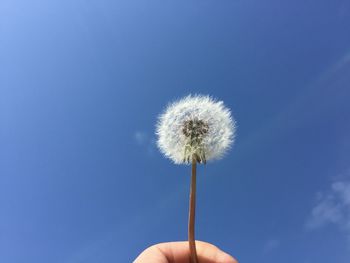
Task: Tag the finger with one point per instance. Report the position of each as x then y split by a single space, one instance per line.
178 252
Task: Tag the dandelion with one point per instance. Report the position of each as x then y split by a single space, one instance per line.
195 129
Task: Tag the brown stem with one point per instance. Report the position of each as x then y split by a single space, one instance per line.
192 212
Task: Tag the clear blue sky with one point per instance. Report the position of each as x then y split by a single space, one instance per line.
82 83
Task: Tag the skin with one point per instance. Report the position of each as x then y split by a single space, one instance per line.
178 252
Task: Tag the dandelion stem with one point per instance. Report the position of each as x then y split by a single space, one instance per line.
192 212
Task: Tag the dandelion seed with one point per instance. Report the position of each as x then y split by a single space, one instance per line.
195 126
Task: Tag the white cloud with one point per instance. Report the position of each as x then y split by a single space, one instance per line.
332 208
143 139
140 137
270 245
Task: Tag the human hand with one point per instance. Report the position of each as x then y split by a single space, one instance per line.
178 252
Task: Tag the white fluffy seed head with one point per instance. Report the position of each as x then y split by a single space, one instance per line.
195 126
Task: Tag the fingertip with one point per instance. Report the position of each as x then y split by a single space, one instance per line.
179 252
210 253
223 257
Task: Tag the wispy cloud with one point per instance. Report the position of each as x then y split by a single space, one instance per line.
332 208
270 245
140 137
143 139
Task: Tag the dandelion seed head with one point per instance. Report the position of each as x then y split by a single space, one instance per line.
197 127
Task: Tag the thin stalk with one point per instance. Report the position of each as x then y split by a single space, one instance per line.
192 212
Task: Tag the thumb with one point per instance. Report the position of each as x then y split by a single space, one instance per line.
178 252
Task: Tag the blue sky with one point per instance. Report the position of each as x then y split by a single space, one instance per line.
82 83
